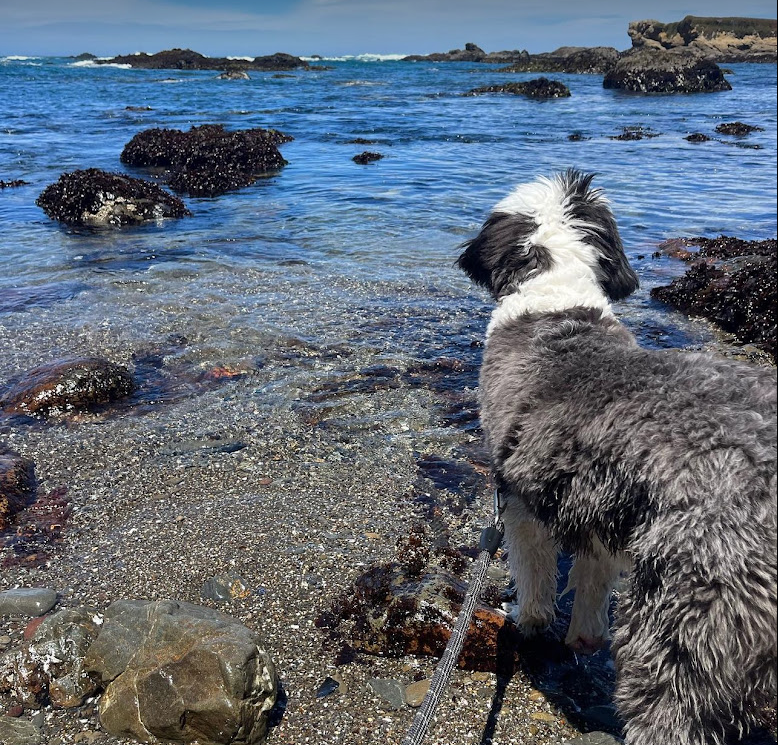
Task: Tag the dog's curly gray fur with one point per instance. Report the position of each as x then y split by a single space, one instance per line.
606 449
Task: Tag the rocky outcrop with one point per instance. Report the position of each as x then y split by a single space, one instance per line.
182 672
718 39
657 71
186 59
537 88
16 484
208 160
98 198
234 75
66 385
731 282
576 60
471 53
12 183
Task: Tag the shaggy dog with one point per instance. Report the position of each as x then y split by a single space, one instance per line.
660 463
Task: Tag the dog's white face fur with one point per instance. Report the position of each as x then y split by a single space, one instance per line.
610 451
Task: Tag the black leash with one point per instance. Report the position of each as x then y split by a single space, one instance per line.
491 538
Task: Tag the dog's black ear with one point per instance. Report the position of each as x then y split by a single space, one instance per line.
500 257
588 206
616 277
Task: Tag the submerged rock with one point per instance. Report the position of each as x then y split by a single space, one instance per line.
177 671
657 71
99 198
738 129
65 385
731 282
16 484
537 88
367 157
208 160
27 601
12 183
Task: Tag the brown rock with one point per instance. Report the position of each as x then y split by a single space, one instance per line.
66 385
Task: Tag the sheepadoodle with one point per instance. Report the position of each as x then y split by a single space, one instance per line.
660 464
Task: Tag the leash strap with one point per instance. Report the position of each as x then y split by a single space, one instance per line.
491 538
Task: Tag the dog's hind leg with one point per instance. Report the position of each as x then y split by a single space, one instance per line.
594 576
532 556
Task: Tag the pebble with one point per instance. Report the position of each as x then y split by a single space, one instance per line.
389 690
27 601
415 692
225 587
5 641
543 716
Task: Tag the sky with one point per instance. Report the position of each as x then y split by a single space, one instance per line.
335 27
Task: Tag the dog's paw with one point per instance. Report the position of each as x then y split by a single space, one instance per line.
586 645
527 622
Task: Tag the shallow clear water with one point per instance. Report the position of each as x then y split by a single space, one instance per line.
331 251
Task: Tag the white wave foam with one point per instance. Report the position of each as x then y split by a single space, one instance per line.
92 63
16 58
367 57
247 59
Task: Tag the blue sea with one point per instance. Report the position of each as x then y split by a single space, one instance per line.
335 253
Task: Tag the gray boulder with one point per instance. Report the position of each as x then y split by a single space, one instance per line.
181 672
675 71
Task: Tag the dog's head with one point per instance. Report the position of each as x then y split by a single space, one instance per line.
541 226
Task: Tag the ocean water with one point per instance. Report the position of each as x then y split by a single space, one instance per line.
331 253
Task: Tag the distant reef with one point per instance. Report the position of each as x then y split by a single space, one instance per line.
719 39
186 59
715 39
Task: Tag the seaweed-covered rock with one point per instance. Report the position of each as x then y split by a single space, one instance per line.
65 385
99 198
578 60
393 610
655 71
367 157
731 282
12 183
186 59
208 160
738 129
16 484
537 88
730 39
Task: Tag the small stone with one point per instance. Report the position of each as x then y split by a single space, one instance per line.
18 732
543 716
5 641
415 692
328 686
14 711
389 690
536 696
225 587
27 601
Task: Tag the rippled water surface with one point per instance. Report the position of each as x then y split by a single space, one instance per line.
331 251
